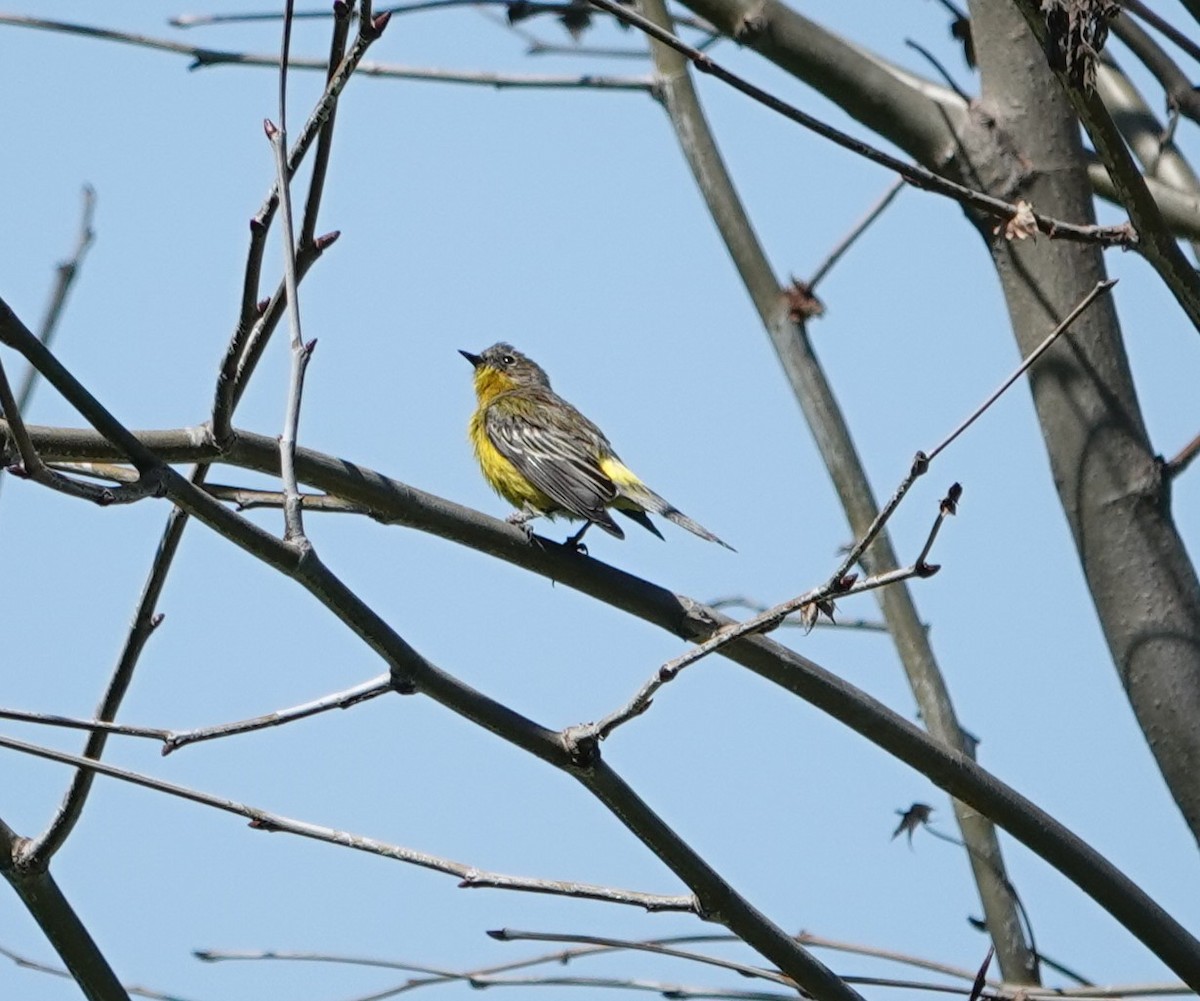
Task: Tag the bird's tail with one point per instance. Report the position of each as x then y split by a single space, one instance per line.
648 500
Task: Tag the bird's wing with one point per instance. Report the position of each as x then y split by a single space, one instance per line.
558 450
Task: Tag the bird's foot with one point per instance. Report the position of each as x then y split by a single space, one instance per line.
574 543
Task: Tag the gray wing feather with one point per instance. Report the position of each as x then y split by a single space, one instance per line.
556 450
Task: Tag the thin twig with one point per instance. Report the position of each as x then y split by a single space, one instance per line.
33 468
415 7
1180 94
1162 26
860 625
338 700
920 177
922 460
1183 459
65 275
246 499
1020 370
25 963
257 320
1155 242
263 820
838 585
93 725
293 517
754 972
320 170
57 971
858 229
172 740
38 851
396 502
586 734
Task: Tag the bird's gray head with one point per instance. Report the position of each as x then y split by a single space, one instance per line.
504 362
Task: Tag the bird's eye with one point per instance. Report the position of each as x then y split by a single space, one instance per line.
508 360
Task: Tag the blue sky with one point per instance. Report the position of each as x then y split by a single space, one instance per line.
567 223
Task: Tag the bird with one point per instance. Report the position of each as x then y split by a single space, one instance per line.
546 459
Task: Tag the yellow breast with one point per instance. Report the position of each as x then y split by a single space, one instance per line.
501 474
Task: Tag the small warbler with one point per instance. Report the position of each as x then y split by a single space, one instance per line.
543 456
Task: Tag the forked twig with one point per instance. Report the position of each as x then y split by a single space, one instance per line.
172 740
263 820
920 177
33 468
841 583
922 460
301 353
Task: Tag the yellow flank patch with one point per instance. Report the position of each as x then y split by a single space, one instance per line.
501 474
618 472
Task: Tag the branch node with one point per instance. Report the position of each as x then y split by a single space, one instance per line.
402 684
752 24
582 744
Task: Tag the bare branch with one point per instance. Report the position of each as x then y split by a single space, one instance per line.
59 921
33 468
344 699
585 734
65 275
264 820
398 503
851 238
172 740
1181 95
1163 26
1025 365
301 352
57 971
93 725
411 671
1183 459
258 320
741 601
914 174
922 460
754 972
247 499
1155 241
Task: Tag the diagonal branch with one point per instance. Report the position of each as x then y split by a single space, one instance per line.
914 174
262 820
38 852
824 415
59 922
398 503
65 275
716 898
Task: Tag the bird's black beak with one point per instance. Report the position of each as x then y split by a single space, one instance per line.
473 359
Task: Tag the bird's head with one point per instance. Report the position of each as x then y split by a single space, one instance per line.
501 368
